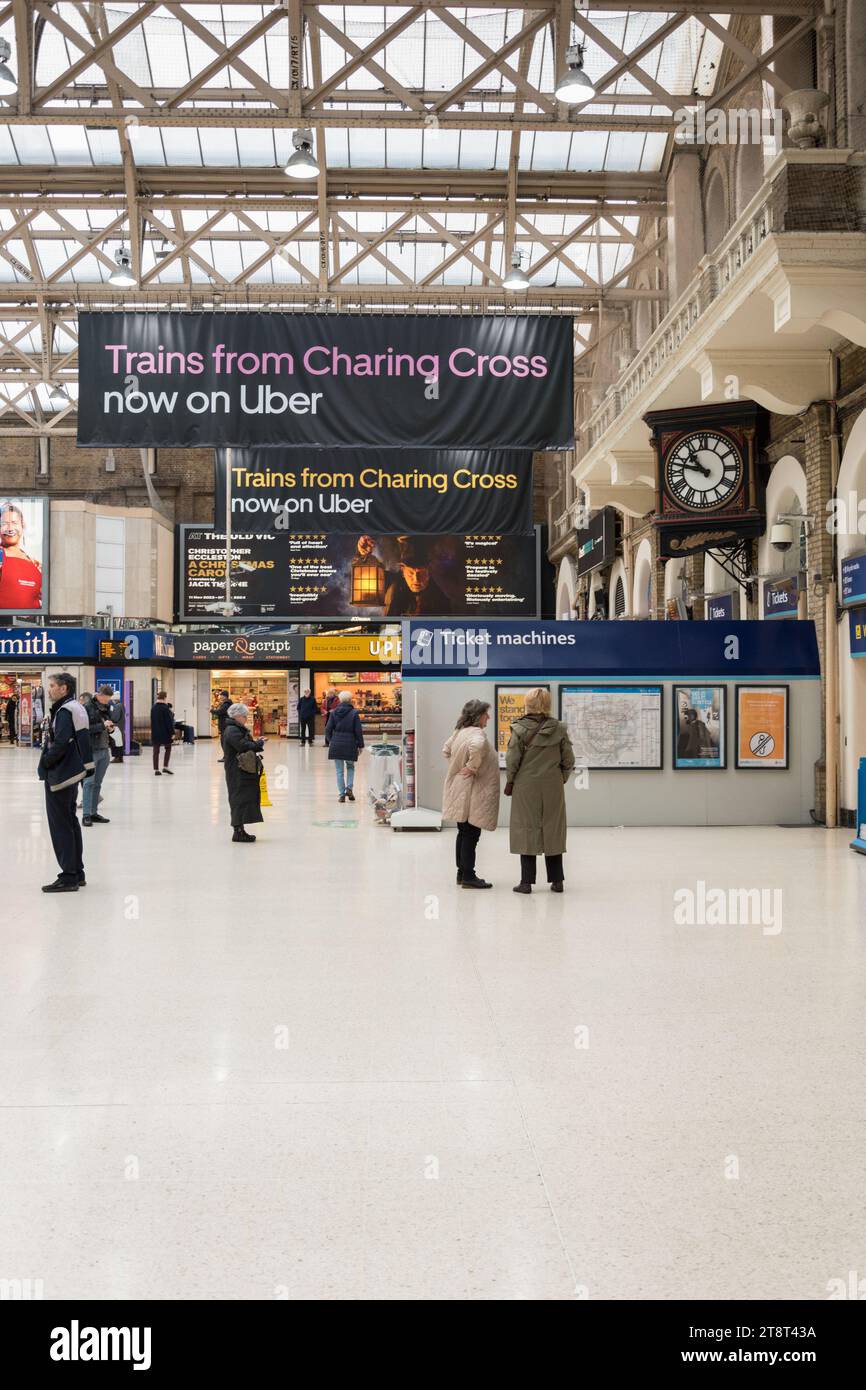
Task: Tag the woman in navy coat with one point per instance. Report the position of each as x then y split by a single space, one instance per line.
344 737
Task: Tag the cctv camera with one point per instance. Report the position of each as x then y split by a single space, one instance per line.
782 536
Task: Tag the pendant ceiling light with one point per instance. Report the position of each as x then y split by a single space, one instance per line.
302 164
516 278
574 85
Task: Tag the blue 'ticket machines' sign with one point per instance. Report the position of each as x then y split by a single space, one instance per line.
729 651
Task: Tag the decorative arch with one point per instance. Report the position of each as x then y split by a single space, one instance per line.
674 571
850 488
617 585
716 208
641 598
786 492
566 590
748 172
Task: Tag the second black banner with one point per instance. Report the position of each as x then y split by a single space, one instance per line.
413 491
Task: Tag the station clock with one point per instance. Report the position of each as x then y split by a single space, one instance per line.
709 476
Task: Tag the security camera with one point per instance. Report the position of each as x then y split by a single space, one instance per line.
782 536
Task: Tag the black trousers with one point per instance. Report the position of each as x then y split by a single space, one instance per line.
552 862
468 836
65 830
308 728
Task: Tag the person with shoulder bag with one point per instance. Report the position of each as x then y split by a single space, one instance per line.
538 763
471 795
243 770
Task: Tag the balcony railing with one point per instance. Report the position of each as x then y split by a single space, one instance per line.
776 208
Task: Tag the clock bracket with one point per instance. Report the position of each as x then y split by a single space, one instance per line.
736 561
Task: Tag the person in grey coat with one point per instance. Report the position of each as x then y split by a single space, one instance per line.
538 763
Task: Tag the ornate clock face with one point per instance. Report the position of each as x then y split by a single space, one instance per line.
703 471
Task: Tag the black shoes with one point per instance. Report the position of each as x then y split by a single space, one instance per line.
157 772
523 888
168 772
476 883
242 837
341 799
556 887
60 886
86 820
98 820
459 876
82 881
350 795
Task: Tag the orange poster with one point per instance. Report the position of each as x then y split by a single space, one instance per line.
762 726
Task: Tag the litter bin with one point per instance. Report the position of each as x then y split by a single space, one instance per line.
385 791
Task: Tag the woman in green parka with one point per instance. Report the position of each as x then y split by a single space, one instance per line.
538 763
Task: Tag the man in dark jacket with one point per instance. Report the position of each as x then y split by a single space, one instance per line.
220 713
98 709
307 709
66 760
344 737
117 715
161 732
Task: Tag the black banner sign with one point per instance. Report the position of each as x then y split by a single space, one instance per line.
313 577
333 380
419 491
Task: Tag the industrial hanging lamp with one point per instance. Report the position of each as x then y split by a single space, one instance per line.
302 164
574 85
8 80
122 277
515 277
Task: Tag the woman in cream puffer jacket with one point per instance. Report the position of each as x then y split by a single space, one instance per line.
471 795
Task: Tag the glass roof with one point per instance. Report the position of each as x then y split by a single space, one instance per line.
173 62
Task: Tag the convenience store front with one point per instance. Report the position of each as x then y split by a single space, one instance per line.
268 672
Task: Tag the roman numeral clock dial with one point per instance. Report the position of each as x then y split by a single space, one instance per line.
703 471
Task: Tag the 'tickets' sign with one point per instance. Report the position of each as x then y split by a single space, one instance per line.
417 491
311 577
330 380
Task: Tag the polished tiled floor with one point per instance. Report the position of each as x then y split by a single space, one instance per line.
312 1067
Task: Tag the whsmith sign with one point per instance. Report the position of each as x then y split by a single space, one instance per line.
79 644
326 380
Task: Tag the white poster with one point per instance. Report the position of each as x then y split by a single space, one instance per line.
613 726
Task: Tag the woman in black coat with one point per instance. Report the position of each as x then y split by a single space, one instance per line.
344 736
245 796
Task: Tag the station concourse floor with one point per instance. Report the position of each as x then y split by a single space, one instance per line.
314 1068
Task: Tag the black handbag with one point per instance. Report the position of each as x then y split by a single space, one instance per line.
249 761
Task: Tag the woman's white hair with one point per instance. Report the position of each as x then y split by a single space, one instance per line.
345 695
235 710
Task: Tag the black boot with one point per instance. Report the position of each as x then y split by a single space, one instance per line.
557 886
242 837
475 882
459 875
523 888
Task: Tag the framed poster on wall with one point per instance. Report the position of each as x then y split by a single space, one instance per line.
700 727
762 726
509 706
613 727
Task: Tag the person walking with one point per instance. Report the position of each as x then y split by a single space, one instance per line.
344 739
97 707
161 732
471 795
12 717
66 760
220 713
244 788
330 701
538 762
117 715
307 710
